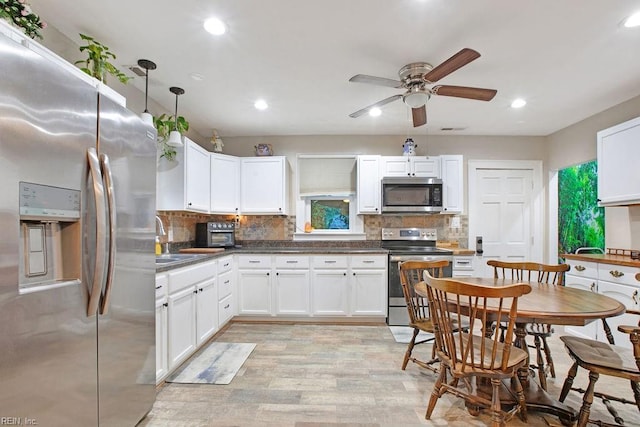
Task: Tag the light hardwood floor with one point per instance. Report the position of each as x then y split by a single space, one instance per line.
304 375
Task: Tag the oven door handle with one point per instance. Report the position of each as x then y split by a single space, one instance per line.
402 258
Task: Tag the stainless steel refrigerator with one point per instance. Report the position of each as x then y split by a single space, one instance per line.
77 265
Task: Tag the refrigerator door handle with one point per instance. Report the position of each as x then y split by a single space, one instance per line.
111 206
101 218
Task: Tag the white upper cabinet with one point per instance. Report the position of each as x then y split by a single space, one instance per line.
452 183
425 166
225 184
264 185
368 190
183 183
618 171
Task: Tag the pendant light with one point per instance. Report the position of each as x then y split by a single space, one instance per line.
147 65
175 139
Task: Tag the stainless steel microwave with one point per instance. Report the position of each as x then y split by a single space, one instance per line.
411 195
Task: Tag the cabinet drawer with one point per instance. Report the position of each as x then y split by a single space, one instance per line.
619 274
330 261
254 261
187 276
225 264
295 261
225 284
462 263
225 310
583 268
162 284
369 261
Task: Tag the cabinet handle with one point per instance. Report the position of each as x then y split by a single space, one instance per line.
344 274
159 286
368 261
354 273
616 273
166 304
251 261
195 292
277 274
634 297
329 262
463 262
592 288
268 274
226 306
201 290
226 282
292 262
580 268
226 265
189 204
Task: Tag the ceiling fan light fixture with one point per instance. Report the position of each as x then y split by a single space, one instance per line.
416 99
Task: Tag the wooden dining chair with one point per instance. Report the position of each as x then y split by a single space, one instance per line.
412 272
544 274
477 355
607 359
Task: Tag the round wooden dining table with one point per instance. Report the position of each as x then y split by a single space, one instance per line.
552 305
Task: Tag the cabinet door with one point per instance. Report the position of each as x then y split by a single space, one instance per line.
162 366
197 177
627 295
206 310
425 166
225 184
618 172
586 284
368 185
395 166
330 294
452 184
254 292
263 185
292 292
369 292
181 325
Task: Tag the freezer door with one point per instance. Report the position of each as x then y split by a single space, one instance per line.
48 121
126 326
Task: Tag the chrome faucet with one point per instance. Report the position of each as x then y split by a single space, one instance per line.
160 232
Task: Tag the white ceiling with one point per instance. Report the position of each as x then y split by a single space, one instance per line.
569 59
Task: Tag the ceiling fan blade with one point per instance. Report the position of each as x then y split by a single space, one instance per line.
465 92
380 81
458 60
377 104
419 116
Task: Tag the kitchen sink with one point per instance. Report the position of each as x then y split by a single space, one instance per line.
176 258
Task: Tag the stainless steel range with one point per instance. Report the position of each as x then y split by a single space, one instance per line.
409 244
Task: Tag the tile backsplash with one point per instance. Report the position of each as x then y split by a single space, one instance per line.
181 226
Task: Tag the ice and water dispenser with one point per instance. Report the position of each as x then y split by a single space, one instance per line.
50 237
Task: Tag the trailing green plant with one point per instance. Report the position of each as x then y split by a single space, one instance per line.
19 13
164 125
97 63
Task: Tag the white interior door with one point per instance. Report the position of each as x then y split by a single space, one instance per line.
502 209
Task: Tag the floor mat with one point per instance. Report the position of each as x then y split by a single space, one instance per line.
403 334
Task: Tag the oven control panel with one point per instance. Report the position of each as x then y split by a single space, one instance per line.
428 234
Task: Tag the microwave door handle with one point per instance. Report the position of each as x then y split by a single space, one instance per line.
100 249
111 209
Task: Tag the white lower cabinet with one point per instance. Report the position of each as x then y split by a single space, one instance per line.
617 282
366 296
291 285
162 364
330 292
181 325
206 311
254 284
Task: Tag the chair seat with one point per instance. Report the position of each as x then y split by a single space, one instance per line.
425 325
601 354
517 356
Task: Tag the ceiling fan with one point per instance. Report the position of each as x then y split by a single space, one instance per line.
415 78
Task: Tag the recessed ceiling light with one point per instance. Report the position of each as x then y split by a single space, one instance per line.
261 104
215 26
375 112
518 103
197 77
632 21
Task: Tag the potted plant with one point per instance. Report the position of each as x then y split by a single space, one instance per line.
18 13
164 125
97 63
